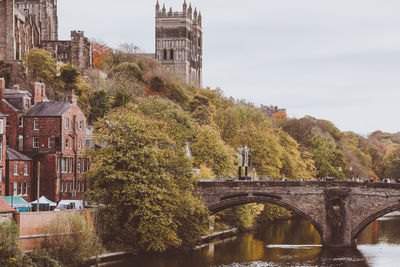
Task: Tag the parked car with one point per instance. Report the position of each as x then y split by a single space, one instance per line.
69 205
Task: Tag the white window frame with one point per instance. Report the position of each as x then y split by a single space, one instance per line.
79 165
26 188
15 189
26 168
66 123
49 142
80 144
1 174
35 144
1 126
67 143
64 165
15 169
81 125
36 125
62 186
21 122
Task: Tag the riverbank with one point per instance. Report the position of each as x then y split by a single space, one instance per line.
115 257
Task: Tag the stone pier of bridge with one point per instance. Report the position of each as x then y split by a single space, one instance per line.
339 210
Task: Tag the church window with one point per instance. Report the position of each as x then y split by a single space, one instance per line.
171 54
165 54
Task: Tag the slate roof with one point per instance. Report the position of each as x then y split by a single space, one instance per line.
11 93
16 156
48 109
4 206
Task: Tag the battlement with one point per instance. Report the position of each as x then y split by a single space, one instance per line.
187 13
77 34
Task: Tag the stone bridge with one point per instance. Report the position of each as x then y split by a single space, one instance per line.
339 210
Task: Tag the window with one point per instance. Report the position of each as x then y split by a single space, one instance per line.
71 165
64 165
171 54
64 56
66 123
79 186
165 54
15 169
26 103
1 151
35 125
1 174
88 143
79 165
20 143
80 144
26 169
58 165
7 122
70 186
20 189
83 187
7 140
81 125
25 188
67 143
35 142
21 122
15 189
1 127
62 186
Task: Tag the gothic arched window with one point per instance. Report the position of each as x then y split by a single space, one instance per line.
165 54
171 55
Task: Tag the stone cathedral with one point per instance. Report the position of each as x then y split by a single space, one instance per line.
179 42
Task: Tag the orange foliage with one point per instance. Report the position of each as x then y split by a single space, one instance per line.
280 115
100 51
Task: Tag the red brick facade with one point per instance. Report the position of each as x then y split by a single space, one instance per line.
19 179
52 134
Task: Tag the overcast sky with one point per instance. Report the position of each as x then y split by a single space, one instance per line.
337 60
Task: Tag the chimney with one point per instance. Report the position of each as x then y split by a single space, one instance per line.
72 99
37 92
2 88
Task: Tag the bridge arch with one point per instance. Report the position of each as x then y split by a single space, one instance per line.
367 221
241 200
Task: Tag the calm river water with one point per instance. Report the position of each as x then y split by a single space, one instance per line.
291 243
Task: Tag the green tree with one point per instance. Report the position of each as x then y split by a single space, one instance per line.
208 148
145 182
99 104
41 66
70 77
391 162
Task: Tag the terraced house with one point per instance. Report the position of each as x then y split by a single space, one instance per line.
43 133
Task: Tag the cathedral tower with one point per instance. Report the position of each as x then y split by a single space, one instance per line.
179 42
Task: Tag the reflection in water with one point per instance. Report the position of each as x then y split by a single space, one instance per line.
292 243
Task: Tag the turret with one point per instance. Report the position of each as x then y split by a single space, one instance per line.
164 10
190 11
157 7
184 9
170 11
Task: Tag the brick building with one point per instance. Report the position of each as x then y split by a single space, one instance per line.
50 133
18 175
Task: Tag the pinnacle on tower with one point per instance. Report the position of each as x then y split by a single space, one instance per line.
190 11
170 11
199 18
157 7
184 9
164 10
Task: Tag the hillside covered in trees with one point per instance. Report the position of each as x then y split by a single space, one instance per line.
147 116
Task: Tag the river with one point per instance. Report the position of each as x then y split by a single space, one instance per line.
289 243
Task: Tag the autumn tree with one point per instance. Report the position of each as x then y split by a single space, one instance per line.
41 66
145 181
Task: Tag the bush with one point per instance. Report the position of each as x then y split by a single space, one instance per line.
71 240
10 246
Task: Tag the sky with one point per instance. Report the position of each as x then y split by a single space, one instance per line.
336 60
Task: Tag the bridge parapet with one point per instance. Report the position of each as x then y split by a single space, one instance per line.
339 210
